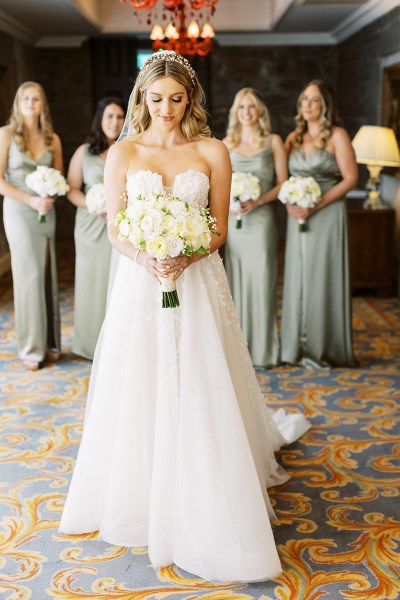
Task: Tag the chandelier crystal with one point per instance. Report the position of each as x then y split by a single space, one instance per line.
176 35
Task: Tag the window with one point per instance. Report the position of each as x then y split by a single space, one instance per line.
142 56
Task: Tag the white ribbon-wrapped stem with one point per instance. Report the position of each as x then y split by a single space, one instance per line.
170 297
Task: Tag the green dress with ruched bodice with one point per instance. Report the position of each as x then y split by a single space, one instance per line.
251 264
33 262
92 264
316 311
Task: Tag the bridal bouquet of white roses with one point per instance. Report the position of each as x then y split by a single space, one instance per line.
302 191
46 181
245 186
166 226
95 199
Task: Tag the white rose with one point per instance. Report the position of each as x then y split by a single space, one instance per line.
175 245
169 224
136 236
191 229
124 228
134 211
157 247
176 208
151 222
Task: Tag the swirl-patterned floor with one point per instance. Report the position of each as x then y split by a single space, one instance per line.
338 531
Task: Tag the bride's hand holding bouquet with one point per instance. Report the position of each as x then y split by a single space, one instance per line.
169 230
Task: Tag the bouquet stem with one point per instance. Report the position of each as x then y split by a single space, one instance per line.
302 226
170 297
41 218
238 216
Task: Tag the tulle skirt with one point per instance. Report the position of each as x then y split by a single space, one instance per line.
178 446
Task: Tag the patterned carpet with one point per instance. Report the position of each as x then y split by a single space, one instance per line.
338 531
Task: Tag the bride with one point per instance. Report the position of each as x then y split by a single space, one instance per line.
178 446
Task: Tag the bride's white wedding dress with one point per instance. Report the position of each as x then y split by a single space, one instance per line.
178 446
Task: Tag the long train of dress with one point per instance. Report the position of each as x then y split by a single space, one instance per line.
178 446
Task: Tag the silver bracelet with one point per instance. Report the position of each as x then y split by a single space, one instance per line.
138 251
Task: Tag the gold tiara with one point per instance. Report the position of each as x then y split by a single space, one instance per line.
170 56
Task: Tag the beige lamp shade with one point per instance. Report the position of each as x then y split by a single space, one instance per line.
375 145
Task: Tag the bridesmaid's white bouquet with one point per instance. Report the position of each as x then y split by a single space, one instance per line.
166 226
245 186
302 191
96 199
46 181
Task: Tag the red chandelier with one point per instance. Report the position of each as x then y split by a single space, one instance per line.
187 40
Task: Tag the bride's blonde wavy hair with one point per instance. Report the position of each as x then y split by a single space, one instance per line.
234 130
16 123
329 114
194 121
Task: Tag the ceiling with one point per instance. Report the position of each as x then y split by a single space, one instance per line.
237 22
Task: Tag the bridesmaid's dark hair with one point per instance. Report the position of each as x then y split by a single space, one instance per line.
329 113
97 141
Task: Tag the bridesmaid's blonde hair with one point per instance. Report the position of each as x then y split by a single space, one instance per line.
194 121
234 130
329 114
16 122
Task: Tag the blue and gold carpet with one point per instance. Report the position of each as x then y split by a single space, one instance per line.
338 531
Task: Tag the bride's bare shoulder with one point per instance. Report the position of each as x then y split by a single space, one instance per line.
212 147
123 151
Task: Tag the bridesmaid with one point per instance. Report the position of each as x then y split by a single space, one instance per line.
251 252
26 142
93 249
316 314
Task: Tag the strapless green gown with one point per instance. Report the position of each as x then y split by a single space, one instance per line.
316 311
251 264
37 317
92 264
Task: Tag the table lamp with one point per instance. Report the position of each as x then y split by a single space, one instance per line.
375 147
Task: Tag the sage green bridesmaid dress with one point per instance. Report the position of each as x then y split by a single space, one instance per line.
32 248
92 264
316 311
251 264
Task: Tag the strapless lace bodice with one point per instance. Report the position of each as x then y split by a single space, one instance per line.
191 185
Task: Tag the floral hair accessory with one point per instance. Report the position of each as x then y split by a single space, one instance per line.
170 56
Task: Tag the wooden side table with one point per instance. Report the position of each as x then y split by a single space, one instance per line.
371 248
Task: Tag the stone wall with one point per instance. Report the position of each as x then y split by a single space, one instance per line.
278 73
361 59
66 75
360 70
16 66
